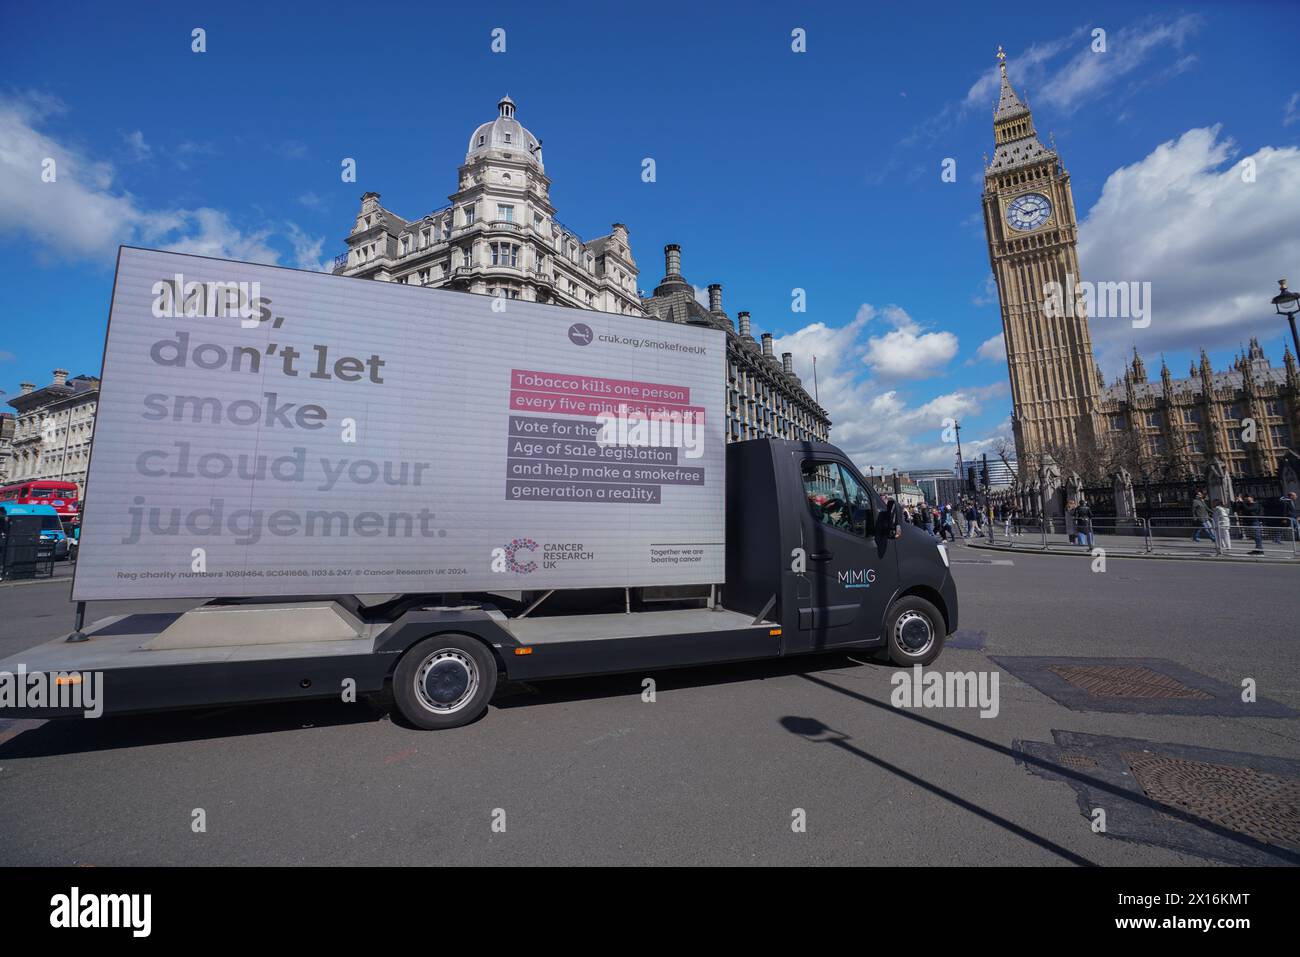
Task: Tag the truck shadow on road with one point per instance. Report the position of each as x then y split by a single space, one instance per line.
109 733
556 690
73 736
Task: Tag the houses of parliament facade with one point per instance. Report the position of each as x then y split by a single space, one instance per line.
1245 418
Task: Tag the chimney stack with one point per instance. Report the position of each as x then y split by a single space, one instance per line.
26 387
715 297
743 319
767 344
60 376
787 362
673 260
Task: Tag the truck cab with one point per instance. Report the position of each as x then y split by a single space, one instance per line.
805 526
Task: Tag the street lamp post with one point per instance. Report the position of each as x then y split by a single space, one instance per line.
1287 303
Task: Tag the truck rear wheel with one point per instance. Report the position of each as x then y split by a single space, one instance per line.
914 631
444 682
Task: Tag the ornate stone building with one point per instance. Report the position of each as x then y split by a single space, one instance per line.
1032 234
1246 418
499 237
53 429
764 396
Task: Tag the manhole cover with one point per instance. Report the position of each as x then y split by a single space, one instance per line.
1114 681
1261 805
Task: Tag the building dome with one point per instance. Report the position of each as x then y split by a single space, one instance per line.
505 134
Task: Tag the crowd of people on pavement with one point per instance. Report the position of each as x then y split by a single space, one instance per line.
1215 521
1218 520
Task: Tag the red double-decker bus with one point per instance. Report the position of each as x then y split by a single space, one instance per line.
62 495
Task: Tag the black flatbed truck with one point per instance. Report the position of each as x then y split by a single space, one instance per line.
814 561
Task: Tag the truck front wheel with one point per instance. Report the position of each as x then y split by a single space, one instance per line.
914 631
444 681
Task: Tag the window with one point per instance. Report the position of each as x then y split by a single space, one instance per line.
469 215
507 137
505 213
505 254
1192 416
467 256
836 497
480 139
1281 436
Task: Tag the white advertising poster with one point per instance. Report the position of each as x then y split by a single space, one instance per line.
269 431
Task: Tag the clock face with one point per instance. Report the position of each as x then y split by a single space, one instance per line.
1028 211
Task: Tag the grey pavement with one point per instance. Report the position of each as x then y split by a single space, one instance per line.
711 772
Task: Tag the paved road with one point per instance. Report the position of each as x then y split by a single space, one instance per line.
712 772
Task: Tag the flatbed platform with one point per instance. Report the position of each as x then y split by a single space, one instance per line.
640 624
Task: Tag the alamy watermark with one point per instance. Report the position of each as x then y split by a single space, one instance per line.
56 690
1098 300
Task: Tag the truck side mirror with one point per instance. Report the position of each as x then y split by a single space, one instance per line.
886 522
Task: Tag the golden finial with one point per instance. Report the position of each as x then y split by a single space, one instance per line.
1002 58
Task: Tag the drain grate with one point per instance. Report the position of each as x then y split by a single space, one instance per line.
1116 681
1263 806
1077 762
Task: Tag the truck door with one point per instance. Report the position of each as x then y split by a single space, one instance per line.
851 570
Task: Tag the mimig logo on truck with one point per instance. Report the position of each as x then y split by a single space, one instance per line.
857 578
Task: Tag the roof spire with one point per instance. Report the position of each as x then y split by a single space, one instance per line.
1009 104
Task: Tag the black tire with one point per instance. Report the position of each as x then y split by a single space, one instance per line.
445 681
914 631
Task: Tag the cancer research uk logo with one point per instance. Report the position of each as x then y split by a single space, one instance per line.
515 546
580 334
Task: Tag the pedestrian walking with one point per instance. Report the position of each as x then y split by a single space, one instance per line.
1083 524
1201 517
946 524
1253 512
1239 516
1289 523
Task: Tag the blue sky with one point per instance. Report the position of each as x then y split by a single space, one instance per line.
775 170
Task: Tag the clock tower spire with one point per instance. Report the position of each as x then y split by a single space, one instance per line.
1032 234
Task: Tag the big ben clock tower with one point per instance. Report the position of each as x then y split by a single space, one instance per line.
1032 232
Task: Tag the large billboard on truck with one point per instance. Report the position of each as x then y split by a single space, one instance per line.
271 431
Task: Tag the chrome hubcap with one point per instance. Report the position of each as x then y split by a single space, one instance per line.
446 681
913 633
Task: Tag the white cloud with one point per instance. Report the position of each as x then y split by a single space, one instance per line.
906 352
993 349
1291 112
140 150
307 250
83 215
1211 245
874 422
1089 75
